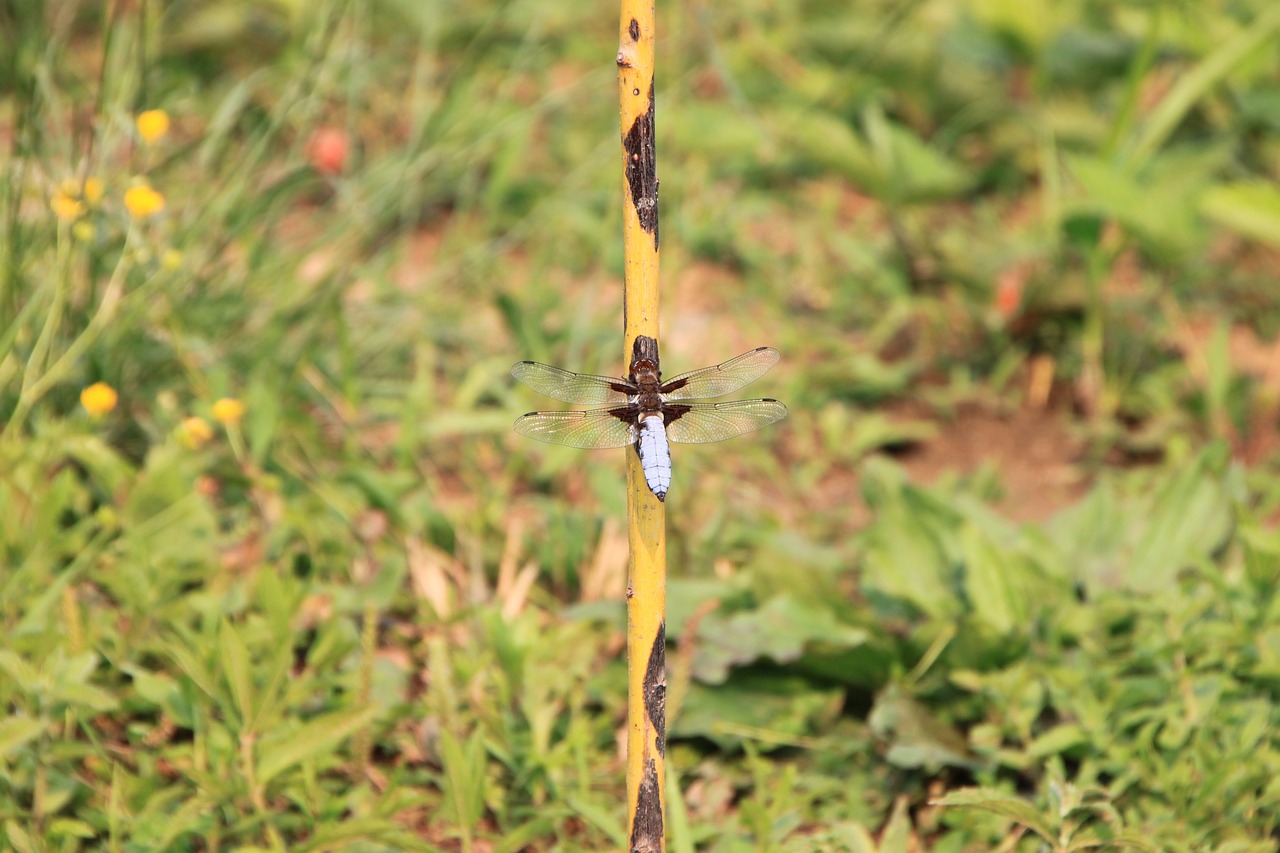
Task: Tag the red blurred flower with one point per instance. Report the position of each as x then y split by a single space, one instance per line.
1009 289
328 149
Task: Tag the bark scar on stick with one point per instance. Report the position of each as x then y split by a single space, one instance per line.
642 169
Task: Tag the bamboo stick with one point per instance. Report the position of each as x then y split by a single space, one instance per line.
646 520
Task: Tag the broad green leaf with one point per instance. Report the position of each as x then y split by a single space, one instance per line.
772 710
896 837
1190 519
780 631
990 582
1252 209
1002 804
315 739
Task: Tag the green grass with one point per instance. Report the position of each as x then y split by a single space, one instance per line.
1004 580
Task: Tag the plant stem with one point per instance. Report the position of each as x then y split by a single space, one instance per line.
646 520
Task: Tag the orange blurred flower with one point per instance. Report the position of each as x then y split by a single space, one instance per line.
143 202
93 191
327 150
195 432
228 411
1009 288
99 398
153 125
65 205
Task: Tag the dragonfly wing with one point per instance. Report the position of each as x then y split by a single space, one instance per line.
722 378
581 388
589 430
702 423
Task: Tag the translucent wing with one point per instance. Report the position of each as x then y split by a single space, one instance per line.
723 378
590 430
700 423
582 388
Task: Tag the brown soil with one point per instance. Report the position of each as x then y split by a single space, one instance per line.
1033 450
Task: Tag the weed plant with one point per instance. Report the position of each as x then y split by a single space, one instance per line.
274 574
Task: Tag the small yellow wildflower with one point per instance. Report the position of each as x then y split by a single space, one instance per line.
83 231
228 411
93 191
153 125
195 432
65 205
143 202
99 398
171 259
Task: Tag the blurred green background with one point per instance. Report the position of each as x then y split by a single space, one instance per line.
275 574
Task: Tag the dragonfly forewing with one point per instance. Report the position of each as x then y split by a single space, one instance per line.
579 388
722 378
703 423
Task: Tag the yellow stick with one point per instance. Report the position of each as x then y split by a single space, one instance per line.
646 522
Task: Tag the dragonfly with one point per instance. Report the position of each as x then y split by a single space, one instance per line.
645 412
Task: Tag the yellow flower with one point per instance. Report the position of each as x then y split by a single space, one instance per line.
195 432
143 202
153 125
99 398
171 259
228 411
66 206
92 191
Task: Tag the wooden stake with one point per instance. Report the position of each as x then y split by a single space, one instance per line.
646 521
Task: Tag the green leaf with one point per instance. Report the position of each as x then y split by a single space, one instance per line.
771 709
16 731
990 582
1191 86
464 779
1057 740
1006 805
79 695
1252 209
781 630
238 670
18 669
896 837
916 737
315 739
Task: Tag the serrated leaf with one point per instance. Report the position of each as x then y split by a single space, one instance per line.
316 738
1006 805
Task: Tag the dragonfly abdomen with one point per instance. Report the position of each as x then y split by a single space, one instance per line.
655 454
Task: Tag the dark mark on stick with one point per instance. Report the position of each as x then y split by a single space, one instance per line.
655 688
642 170
646 828
634 30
